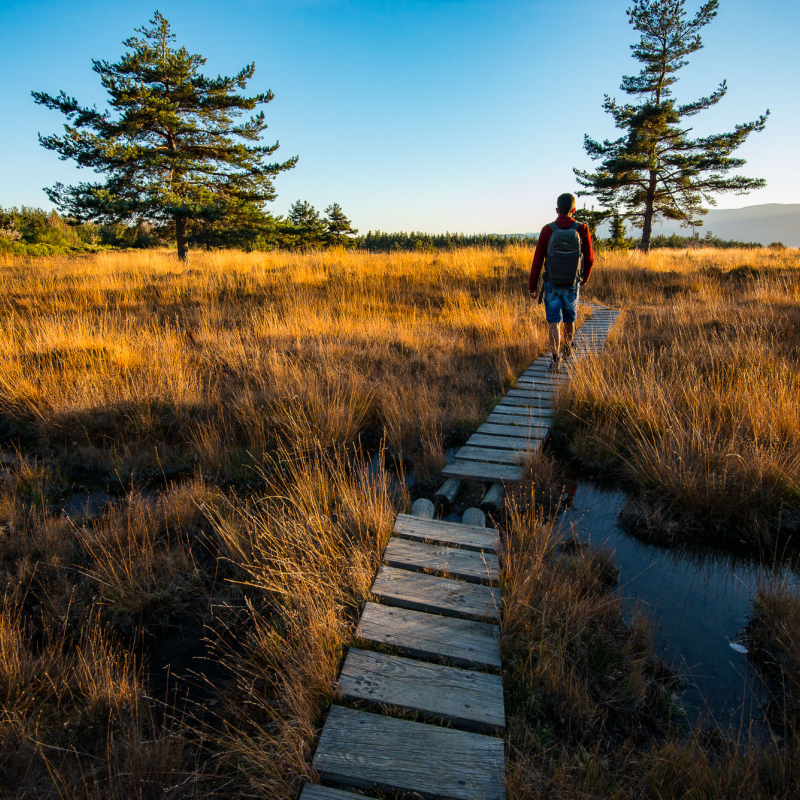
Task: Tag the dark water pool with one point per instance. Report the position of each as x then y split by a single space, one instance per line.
699 599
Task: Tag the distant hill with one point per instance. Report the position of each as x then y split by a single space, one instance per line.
771 222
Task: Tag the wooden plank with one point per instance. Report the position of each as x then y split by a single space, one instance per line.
457 697
421 592
396 755
540 400
468 565
312 791
526 382
533 412
483 471
505 442
549 379
495 455
453 534
531 418
460 642
541 373
542 376
520 429
536 387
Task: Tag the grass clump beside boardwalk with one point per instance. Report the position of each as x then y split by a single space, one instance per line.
696 401
184 640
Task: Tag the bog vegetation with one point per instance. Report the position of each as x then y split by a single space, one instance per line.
202 462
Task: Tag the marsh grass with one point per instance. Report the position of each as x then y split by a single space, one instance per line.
696 403
590 709
280 386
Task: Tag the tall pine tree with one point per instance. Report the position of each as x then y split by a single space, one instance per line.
307 226
171 148
656 169
340 229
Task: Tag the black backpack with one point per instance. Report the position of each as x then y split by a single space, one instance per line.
564 256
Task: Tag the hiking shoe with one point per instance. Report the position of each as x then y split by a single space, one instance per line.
568 352
555 364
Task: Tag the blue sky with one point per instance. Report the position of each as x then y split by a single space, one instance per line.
433 116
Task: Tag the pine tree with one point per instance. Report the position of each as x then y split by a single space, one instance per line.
171 147
656 169
618 240
308 228
340 229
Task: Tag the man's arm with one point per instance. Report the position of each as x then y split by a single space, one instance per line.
538 260
588 253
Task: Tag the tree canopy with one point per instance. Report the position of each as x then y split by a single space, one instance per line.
656 169
172 147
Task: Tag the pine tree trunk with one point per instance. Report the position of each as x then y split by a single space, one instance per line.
647 229
180 237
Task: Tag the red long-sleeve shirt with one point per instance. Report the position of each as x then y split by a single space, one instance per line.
563 221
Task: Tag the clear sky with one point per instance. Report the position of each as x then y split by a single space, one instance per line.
462 116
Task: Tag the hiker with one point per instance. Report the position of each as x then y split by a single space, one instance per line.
564 249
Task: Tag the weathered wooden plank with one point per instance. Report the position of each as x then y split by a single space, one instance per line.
544 379
541 371
541 400
483 471
460 642
421 592
539 383
529 418
493 455
458 697
539 387
520 429
503 407
396 755
453 534
468 565
527 383
312 791
505 442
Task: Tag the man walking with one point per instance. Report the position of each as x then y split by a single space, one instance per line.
564 249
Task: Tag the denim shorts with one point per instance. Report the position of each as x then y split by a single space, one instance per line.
561 301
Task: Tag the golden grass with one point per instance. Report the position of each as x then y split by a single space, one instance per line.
283 384
116 358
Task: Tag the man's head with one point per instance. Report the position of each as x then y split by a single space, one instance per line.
565 203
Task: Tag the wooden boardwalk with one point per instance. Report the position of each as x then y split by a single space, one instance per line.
519 423
420 710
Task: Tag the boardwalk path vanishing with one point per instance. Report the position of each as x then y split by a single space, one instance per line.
429 647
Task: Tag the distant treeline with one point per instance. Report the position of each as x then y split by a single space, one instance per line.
34 232
382 242
709 240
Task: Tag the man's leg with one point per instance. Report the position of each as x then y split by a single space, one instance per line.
569 329
555 336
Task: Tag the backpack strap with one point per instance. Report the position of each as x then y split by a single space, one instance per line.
553 226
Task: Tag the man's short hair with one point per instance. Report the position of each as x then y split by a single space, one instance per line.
565 203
